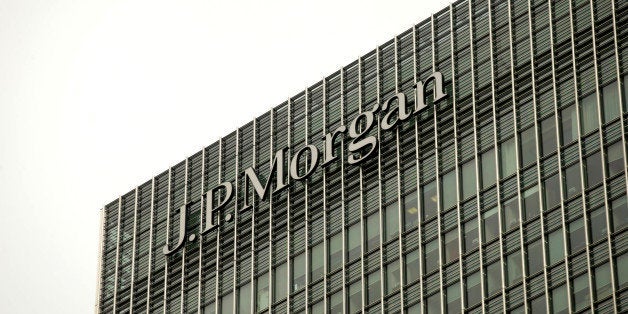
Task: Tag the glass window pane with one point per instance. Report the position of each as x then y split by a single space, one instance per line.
448 189
453 298
594 169
488 168
556 245
551 192
493 278
615 159
353 239
535 257
602 279
531 202
412 266
355 296
372 231
415 309
626 93
514 267
537 306
280 282
262 291
620 213
622 270
474 292
451 246
569 126
580 288
431 256
507 158
226 304
392 277
548 135
511 213
528 146
210 308
598 225
429 200
335 251
318 308
491 224
470 235
433 304
392 221
410 212
244 296
611 101
468 179
335 303
589 113
572 180
374 291
576 236
317 254
559 300
298 272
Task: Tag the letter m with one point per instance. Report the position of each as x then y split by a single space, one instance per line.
276 166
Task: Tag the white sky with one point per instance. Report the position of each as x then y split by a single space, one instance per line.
96 97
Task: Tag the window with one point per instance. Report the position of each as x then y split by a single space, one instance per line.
602 281
535 257
471 235
335 303
626 93
317 254
511 213
431 256
353 239
548 135
410 212
572 180
451 246
429 200
280 281
507 158
531 202
210 309
453 298
392 221
622 271
527 143
559 300
615 159
474 292
551 192
392 277
415 309
589 113
372 231
412 270
493 278
262 291
576 236
335 251
490 224
488 168
556 242
611 102
355 296
620 213
594 170
537 305
244 299
374 291
318 308
226 304
598 225
513 261
298 272
448 189
569 125
580 288
468 179
433 304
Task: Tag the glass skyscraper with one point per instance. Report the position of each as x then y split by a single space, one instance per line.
476 162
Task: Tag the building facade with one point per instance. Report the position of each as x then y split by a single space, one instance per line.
476 162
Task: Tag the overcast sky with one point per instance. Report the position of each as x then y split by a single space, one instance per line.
96 97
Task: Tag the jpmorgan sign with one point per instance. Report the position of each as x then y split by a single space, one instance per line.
361 145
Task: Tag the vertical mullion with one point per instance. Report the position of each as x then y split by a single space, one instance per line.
101 244
325 238
379 177
150 244
166 261
342 196
363 281
270 211
236 290
582 185
183 255
287 283
307 223
400 213
253 238
115 287
133 252
217 302
200 237
477 178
